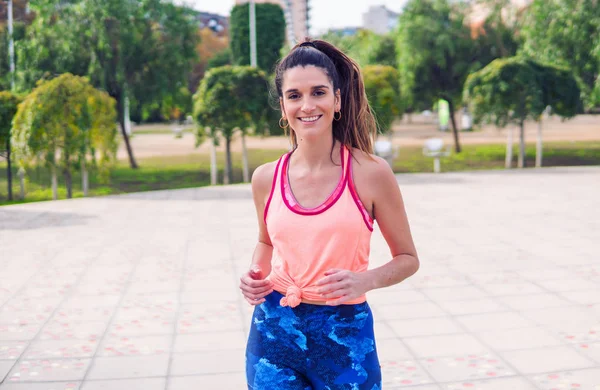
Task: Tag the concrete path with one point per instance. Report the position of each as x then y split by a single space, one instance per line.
140 291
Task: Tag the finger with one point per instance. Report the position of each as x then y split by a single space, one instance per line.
328 288
253 302
330 279
335 294
333 271
255 283
257 296
255 290
338 301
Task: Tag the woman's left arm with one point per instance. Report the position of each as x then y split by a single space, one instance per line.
339 286
389 211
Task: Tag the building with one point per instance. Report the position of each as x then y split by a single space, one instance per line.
380 20
296 16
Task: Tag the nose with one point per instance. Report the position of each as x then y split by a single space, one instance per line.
308 106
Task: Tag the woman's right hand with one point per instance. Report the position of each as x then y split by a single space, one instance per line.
254 287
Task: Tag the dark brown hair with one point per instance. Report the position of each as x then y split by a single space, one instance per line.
357 127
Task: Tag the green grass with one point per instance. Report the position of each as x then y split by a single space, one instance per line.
194 170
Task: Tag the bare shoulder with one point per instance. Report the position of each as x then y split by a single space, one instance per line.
368 168
262 180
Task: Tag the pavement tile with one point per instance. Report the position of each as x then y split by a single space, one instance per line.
392 349
383 297
12 332
209 341
403 311
209 317
460 293
569 380
466 367
5 367
539 360
591 350
425 326
12 350
135 346
475 306
235 380
534 301
383 331
71 385
44 370
521 338
398 373
491 384
126 384
128 367
202 363
445 345
67 348
501 289
493 321
61 330
144 327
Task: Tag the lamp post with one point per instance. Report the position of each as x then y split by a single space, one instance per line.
11 45
252 34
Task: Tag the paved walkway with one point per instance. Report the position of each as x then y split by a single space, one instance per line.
140 291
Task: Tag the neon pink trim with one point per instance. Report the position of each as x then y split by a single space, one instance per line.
361 207
331 199
272 189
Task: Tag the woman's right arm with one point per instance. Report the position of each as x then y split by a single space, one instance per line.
253 284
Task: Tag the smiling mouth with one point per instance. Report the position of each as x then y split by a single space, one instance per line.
310 119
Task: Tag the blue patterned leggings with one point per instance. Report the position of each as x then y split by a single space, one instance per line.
312 347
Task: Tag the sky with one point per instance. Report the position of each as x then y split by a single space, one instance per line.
325 14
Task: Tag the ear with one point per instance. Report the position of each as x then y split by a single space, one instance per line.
338 100
282 107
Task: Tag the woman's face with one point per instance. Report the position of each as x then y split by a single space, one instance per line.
309 101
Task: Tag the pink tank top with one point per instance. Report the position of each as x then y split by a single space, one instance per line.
308 242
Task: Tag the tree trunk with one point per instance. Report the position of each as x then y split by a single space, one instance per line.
538 149
54 184
227 178
121 113
246 172
68 182
521 162
454 130
509 149
84 178
9 169
213 163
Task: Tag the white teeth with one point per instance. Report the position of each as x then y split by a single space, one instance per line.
309 119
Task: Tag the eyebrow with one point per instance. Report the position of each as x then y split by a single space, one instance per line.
315 87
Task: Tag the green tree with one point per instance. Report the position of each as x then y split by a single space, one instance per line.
270 34
435 55
567 33
514 89
365 47
230 98
141 50
61 122
383 91
8 108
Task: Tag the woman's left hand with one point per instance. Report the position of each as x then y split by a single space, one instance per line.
340 285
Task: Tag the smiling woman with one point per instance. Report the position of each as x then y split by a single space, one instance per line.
312 327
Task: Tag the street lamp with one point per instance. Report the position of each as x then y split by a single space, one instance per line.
252 34
11 46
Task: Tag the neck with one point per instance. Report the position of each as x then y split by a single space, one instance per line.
317 153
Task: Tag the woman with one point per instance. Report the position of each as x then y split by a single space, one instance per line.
312 327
